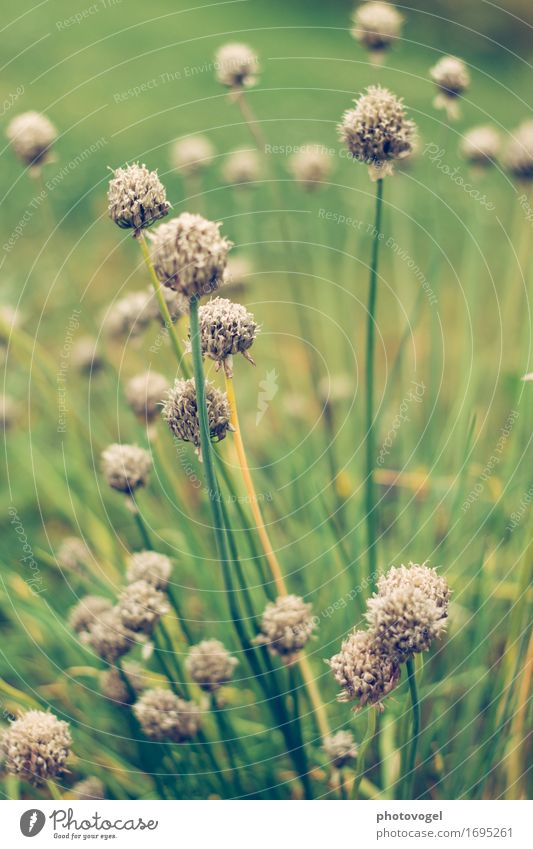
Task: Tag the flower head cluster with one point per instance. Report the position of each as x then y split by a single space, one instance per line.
36 746
108 637
238 269
73 555
210 664
89 789
519 153
130 316
311 166
144 393
340 748
122 688
85 357
87 611
406 614
140 606
164 716
9 411
376 26
226 328
287 626
126 467
136 197
236 65
189 254
151 567
180 411
481 145
31 136
242 167
192 154
452 78
377 131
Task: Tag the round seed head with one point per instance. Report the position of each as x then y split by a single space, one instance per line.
226 328
287 626
238 269
210 664
131 315
192 154
364 673
421 577
108 637
73 555
452 78
340 748
85 357
311 166
518 157
405 621
126 467
36 746
87 611
376 26
481 145
236 65
9 412
31 136
140 607
242 167
377 131
190 255
180 411
136 197
151 567
114 687
89 789
164 716
145 393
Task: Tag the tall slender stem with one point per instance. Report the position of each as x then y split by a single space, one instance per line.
370 345
370 731
410 773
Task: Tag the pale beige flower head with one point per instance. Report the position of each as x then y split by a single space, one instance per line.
287 626
145 393
452 78
518 157
108 637
140 607
404 621
192 154
242 167
180 411
422 577
122 687
87 611
85 357
31 136
73 555
36 746
164 716
190 255
9 412
481 146
130 316
238 270
365 674
236 65
89 789
377 132
210 665
226 328
149 566
126 467
311 166
376 26
136 197
340 748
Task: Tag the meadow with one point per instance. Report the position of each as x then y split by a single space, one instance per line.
347 459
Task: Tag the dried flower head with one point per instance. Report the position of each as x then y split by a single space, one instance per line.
115 688
131 315
421 577
236 65
242 167
137 197
140 607
149 566
340 748
481 146
226 328
180 411
238 269
126 467
404 621
365 674
192 154
164 716
287 626
73 555
210 664
376 26
31 136
310 166
9 412
145 393
189 254
377 131
518 158
87 611
85 357
452 78
108 637
89 789
36 746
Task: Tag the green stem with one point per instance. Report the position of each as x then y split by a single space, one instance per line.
143 530
370 440
410 773
54 790
370 731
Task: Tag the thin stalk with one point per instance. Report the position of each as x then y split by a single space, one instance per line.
301 753
165 315
370 441
139 521
226 734
369 734
410 774
54 790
